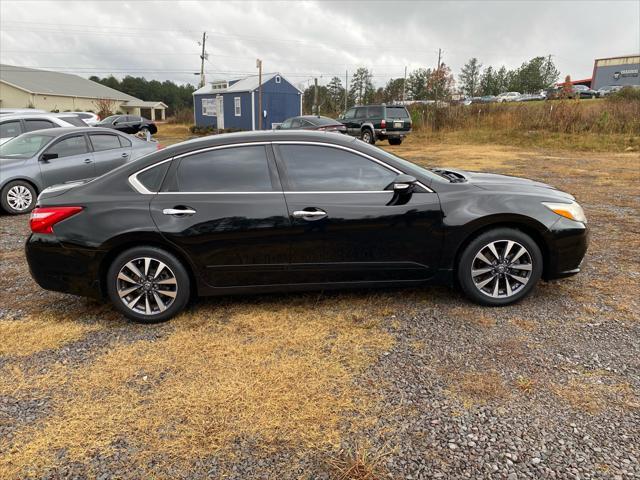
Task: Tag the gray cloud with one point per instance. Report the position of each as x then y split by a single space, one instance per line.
302 40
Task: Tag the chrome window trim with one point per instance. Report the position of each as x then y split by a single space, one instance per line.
140 188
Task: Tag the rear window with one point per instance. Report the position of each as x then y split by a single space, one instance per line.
75 121
397 112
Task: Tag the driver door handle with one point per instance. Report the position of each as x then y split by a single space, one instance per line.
87 160
178 211
309 214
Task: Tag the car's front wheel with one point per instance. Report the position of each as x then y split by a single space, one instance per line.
500 267
18 197
148 284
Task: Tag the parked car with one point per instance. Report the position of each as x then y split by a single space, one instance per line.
608 90
129 124
530 97
313 122
12 111
378 122
89 118
508 97
16 124
582 91
33 161
292 210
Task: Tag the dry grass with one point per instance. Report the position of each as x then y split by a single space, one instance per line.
277 373
34 334
361 463
596 391
478 387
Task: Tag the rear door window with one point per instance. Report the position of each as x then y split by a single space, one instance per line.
375 112
361 112
103 142
38 124
234 169
75 121
67 147
10 129
125 142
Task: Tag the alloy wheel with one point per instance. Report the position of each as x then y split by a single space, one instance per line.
146 285
19 198
501 268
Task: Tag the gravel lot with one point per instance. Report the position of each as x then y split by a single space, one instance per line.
410 383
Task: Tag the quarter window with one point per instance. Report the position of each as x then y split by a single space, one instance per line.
104 142
124 142
70 146
33 125
325 169
75 121
10 129
237 106
234 169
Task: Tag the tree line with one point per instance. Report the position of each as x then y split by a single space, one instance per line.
433 84
177 97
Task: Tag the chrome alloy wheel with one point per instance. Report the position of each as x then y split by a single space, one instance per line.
19 198
501 269
147 286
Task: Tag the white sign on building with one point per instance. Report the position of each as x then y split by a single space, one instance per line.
209 107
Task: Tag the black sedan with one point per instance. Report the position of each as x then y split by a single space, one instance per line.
274 211
313 122
132 124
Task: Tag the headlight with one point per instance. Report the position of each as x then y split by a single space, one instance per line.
572 210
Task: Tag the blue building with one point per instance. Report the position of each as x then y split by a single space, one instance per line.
234 103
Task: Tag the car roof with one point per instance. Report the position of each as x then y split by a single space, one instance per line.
18 115
64 130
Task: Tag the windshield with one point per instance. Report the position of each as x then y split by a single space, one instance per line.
24 146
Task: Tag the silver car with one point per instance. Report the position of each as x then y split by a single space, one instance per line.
33 161
16 123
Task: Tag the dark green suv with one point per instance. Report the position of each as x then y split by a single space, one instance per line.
378 122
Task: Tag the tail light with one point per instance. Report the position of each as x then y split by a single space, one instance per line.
43 219
383 123
159 146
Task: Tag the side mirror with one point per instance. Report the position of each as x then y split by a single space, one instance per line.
48 156
403 184
116 122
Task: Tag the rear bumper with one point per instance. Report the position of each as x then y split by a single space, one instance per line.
62 269
383 133
567 244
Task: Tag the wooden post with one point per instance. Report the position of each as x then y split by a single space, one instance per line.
259 65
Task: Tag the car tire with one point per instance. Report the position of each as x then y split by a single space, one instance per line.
163 284
395 141
367 136
18 197
505 279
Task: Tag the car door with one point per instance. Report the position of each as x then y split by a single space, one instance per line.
121 124
225 208
359 120
346 226
66 160
349 121
108 153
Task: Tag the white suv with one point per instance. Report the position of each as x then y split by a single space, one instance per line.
508 97
14 125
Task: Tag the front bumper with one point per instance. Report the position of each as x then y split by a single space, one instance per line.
64 269
567 245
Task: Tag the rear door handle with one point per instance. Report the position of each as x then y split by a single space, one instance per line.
87 160
124 155
178 211
309 214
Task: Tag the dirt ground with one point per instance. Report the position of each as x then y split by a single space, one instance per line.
412 383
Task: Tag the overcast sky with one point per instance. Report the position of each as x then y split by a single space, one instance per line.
302 40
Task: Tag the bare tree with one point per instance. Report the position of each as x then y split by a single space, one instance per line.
105 107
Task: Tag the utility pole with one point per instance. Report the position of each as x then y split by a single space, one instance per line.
203 55
259 66
315 97
404 85
438 76
346 88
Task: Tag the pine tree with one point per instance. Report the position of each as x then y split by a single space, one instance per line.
470 77
362 89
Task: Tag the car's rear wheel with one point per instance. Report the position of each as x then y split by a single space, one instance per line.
148 284
18 197
367 136
395 141
500 267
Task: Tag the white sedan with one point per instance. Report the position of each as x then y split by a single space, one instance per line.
16 124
